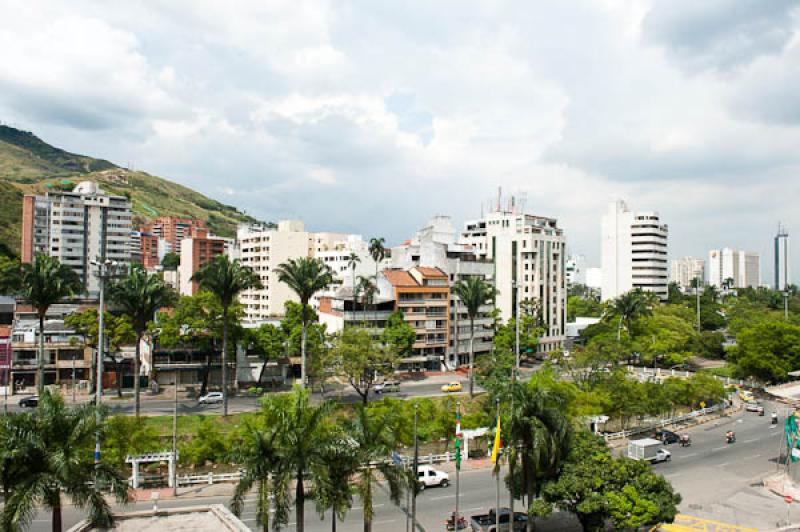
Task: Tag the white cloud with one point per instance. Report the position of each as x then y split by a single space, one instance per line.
370 116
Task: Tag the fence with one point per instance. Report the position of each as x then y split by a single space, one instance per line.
665 373
663 423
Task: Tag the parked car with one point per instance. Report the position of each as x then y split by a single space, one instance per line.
667 437
387 386
429 477
753 406
452 387
29 402
210 398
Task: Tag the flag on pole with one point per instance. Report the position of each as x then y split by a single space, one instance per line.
498 444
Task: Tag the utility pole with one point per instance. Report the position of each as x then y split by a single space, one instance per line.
175 436
103 272
416 472
697 294
786 305
497 481
458 461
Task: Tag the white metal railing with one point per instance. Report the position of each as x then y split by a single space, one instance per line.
694 414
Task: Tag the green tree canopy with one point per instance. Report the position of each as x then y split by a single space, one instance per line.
171 261
767 351
398 334
360 360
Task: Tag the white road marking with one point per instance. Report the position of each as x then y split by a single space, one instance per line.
718 448
687 455
750 441
453 496
471 509
723 465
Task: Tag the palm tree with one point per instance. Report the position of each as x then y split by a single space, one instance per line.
305 276
332 490
378 252
366 289
45 281
58 461
259 456
302 435
226 279
630 306
9 276
352 261
139 296
540 436
473 292
375 440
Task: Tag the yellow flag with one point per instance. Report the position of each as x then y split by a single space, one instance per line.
498 445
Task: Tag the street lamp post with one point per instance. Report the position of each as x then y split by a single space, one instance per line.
175 436
697 295
104 268
786 305
415 475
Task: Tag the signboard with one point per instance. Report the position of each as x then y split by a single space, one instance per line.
788 499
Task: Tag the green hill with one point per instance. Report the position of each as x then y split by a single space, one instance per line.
30 165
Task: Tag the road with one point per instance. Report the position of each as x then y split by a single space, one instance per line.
247 403
477 489
722 481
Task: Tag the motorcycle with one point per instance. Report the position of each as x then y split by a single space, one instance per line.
774 418
686 440
730 437
461 524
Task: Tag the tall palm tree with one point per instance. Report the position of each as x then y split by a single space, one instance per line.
139 296
260 458
302 437
58 461
352 261
540 436
375 440
43 282
378 252
366 289
473 292
630 306
332 490
226 279
305 276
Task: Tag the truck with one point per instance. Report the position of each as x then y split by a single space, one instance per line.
648 449
488 522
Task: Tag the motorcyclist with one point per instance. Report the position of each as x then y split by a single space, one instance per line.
774 417
685 440
730 436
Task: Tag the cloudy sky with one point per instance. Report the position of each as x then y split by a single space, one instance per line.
370 116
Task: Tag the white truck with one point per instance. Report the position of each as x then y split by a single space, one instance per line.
648 449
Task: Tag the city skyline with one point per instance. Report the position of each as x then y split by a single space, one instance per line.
320 113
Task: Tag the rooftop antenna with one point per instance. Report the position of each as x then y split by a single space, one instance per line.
499 195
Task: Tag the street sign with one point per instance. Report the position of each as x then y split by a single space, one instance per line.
788 499
702 404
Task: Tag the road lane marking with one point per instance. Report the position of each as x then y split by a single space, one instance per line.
443 497
723 464
750 441
687 455
464 510
718 448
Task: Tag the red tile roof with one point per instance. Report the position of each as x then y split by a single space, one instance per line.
399 278
431 272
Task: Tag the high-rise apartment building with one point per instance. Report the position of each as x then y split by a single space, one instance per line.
732 268
148 250
528 253
782 271
634 252
77 227
174 230
575 270
686 269
435 246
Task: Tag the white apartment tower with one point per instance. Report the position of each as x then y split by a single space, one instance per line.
742 268
77 227
528 253
634 252
782 273
686 269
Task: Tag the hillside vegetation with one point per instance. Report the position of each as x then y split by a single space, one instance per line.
30 165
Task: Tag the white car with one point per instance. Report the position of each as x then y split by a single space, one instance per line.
210 398
429 477
387 386
662 455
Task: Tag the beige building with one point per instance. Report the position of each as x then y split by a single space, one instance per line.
742 267
685 270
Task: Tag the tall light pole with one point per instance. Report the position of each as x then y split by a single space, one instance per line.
415 473
175 436
458 461
697 294
104 268
786 305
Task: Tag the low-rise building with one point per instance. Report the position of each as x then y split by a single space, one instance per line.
64 355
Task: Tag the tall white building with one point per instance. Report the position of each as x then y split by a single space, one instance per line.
742 267
529 252
77 227
264 248
782 270
435 246
634 252
685 269
576 270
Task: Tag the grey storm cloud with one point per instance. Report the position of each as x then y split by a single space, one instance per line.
719 34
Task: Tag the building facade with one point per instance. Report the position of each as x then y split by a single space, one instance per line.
732 268
575 270
528 254
634 252
195 252
174 230
782 271
435 246
77 227
686 269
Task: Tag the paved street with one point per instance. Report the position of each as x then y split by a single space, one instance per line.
722 481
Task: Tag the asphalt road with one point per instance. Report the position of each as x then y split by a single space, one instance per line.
477 495
244 403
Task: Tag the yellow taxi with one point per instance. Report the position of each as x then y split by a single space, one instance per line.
452 387
746 395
